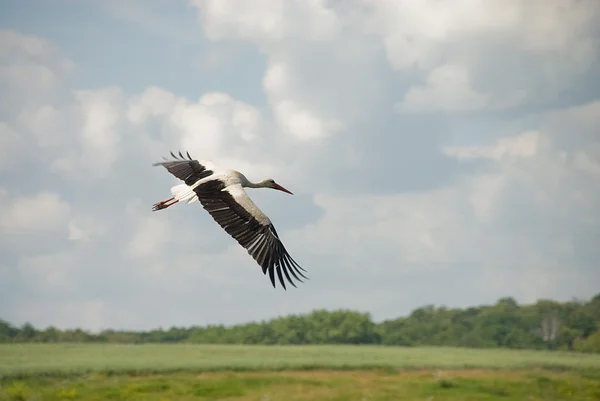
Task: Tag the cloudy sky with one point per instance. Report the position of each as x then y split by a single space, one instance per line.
439 152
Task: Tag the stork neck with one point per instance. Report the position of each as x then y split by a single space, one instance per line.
250 184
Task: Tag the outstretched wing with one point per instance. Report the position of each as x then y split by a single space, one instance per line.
234 211
187 170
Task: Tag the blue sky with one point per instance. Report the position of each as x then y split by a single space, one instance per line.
134 43
438 155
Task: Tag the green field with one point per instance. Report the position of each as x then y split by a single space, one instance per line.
204 372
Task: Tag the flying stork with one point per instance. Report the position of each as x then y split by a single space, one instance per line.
222 194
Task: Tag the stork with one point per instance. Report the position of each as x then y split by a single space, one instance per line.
222 194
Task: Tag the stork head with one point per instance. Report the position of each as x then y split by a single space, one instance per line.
270 183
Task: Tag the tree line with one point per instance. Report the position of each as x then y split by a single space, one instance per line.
547 324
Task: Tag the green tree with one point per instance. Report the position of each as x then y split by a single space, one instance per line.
545 324
590 344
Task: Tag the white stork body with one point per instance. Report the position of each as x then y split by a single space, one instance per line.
222 194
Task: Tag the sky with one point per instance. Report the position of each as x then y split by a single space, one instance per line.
441 153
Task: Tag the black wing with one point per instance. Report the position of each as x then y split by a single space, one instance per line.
253 231
187 170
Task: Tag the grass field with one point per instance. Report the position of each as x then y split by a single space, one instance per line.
203 372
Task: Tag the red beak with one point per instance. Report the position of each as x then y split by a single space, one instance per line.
279 187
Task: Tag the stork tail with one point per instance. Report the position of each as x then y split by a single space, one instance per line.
183 193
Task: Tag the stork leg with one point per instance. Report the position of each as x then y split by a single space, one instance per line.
164 204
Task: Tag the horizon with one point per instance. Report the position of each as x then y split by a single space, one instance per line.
438 155
306 314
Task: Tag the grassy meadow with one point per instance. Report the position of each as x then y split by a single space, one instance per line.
236 372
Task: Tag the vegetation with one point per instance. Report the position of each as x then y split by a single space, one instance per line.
314 385
63 360
310 372
434 353
547 324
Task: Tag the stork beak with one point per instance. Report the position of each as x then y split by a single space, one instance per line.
279 187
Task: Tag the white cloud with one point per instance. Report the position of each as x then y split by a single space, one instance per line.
216 121
45 125
267 20
153 101
8 144
416 33
216 124
86 228
301 124
587 163
149 238
423 33
43 211
585 117
80 138
311 90
92 314
101 112
404 205
513 221
560 28
376 230
95 314
23 53
448 89
293 118
518 43
31 70
277 78
524 145
53 271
